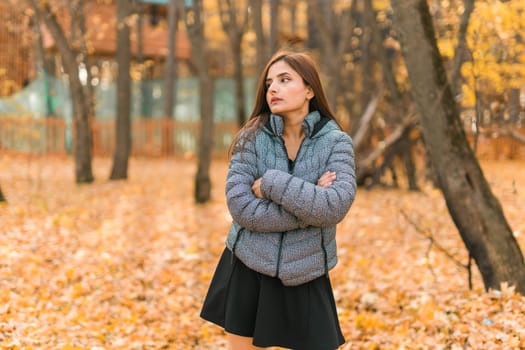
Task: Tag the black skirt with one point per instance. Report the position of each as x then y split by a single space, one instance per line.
247 303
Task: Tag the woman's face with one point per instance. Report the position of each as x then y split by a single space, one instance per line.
286 93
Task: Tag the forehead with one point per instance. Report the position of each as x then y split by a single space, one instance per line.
279 68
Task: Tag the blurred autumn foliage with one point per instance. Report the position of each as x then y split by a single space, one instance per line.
125 265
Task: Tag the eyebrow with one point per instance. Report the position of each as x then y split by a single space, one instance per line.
278 76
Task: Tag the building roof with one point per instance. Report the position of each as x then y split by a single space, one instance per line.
101 33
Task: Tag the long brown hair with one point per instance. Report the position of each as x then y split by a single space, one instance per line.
305 66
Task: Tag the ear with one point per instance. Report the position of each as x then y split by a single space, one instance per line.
310 93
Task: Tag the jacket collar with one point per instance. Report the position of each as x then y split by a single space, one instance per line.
276 123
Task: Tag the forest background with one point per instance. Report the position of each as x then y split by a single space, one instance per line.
120 263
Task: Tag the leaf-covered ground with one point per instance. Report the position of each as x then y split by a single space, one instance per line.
126 264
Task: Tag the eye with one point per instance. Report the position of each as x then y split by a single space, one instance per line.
285 79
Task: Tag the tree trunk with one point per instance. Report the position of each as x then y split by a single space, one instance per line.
273 41
408 161
239 80
314 36
514 106
461 51
396 97
202 179
235 27
195 28
82 127
170 77
366 168
475 210
145 111
367 56
260 43
123 123
89 90
2 197
41 65
170 72
335 32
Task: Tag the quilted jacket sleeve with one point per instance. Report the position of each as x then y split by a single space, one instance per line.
255 214
312 204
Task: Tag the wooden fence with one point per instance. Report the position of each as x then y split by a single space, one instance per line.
150 137
161 137
165 137
28 135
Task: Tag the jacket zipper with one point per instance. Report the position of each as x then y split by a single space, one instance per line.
324 253
235 245
290 171
279 255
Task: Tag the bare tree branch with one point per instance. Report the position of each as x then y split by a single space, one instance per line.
461 48
433 243
364 121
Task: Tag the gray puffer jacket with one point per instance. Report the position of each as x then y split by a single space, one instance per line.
290 233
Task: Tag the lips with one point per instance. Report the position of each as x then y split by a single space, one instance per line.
275 100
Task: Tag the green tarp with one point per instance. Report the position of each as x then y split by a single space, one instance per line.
49 96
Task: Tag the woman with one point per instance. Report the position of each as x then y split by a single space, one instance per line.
291 180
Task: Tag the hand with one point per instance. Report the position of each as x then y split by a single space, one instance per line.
326 179
256 188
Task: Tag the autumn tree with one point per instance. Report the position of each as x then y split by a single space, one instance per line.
235 26
195 28
171 61
461 51
474 209
123 124
273 39
398 144
145 111
482 46
494 73
265 45
260 42
78 37
70 52
335 27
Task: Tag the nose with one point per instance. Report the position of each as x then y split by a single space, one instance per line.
271 87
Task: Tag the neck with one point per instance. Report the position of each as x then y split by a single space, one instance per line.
293 126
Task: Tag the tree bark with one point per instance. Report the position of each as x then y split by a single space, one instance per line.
2 197
366 168
514 105
170 72
119 170
235 28
145 110
273 41
42 66
461 51
293 16
474 209
238 77
195 28
171 98
396 97
80 24
82 127
260 44
202 179
367 54
335 32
